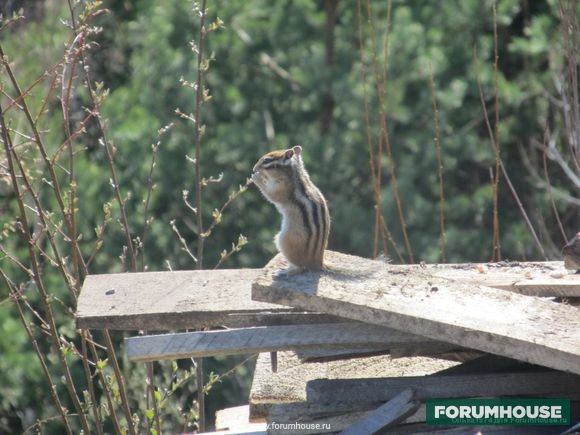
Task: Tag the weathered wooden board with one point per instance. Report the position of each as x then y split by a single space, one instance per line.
548 278
332 417
326 355
269 339
338 416
289 383
469 315
388 414
328 418
245 431
431 349
320 420
196 299
423 429
179 300
550 383
237 420
490 364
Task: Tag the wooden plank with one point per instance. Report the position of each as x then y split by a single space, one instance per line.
434 349
179 300
312 422
548 278
571 430
424 429
245 431
489 364
199 299
551 383
269 339
395 410
237 419
329 417
482 318
326 355
288 385
452 353
340 415
421 428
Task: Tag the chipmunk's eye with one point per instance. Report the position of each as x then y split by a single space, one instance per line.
267 160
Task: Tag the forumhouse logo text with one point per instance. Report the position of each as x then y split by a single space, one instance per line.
498 411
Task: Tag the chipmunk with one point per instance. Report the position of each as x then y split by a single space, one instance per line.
283 180
571 254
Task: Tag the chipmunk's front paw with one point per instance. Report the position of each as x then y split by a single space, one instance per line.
259 179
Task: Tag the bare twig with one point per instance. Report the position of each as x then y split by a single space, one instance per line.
554 154
496 252
437 140
236 247
106 390
217 214
502 167
40 354
150 187
387 234
384 136
550 193
569 27
95 97
37 276
90 386
182 241
375 167
199 129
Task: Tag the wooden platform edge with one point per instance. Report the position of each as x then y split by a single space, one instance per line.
274 338
420 303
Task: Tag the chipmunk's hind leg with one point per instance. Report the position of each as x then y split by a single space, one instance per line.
292 270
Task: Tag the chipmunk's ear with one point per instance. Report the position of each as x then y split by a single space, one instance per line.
297 149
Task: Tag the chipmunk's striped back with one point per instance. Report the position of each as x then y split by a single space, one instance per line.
283 180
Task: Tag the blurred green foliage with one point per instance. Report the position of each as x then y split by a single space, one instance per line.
272 86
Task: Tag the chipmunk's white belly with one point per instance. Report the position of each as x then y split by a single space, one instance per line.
284 228
291 228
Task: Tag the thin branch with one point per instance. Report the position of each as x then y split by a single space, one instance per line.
37 278
106 389
90 386
375 167
437 140
502 167
388 235
40 355
54 182
198 136
554 154
150 187
199 130
182 241
217 214
550 193
384 137
496 255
